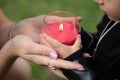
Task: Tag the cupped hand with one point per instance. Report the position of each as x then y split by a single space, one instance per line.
62 49
22 46
32 27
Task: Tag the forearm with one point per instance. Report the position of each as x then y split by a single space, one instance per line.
4 20
6 61
5 25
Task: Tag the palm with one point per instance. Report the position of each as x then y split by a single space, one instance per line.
31 27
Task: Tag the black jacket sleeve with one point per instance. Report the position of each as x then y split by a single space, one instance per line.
89 42
87 74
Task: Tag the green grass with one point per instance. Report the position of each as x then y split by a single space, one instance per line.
18 10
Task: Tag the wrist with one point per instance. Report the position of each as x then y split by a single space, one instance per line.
6 60
8 50
4 33
5 25
76 55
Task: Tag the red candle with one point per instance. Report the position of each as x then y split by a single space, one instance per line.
62 31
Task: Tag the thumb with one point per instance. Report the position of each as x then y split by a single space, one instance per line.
79 19
78 42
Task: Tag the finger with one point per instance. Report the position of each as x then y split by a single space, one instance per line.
53 42
43 41
47 61
51 19
87 55
42 50
70 19
33 48
59 63
78 42
37 59
79 19
73 20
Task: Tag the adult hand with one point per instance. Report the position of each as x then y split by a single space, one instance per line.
62 49
25 48
32 27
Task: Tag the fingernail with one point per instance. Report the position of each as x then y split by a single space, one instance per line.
81 68
53 55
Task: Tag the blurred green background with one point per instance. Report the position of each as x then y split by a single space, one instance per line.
18 10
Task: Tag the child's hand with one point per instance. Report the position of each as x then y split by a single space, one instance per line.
62 50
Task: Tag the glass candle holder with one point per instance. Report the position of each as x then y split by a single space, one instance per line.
62 26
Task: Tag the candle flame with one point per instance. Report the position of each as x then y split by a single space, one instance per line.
61 27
